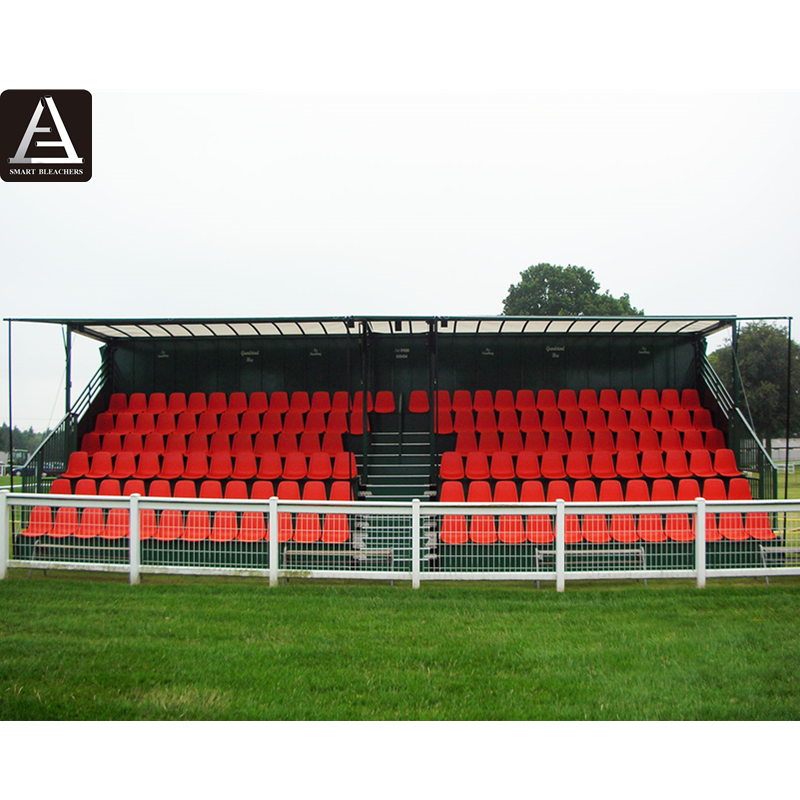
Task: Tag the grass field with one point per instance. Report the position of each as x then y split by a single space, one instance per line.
91 647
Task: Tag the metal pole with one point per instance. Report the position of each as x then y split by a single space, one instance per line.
700 542
560 556
733 440
134 538
273 541
4 533
788 409
68 377
415 548
10 419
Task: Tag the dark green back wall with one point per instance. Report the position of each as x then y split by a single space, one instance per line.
399 363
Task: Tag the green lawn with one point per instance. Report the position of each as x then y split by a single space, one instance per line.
92 647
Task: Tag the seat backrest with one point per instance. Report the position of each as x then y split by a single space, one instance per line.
218 403
506 492
688 489
637 491
663 490
452 492
585 492
525 400
611 491
418 402
558 490
504 400
483 400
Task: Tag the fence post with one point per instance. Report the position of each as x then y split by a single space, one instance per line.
700 542
415 548
273 541
4 533
560 559
134 538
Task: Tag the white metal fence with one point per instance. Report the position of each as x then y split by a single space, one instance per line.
413 541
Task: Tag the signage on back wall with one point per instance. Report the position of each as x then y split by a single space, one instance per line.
45 135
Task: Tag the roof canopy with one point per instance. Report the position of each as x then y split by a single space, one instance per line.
108 330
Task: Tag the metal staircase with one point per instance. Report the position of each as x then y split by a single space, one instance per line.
398 466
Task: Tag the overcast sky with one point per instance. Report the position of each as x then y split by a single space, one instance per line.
375 178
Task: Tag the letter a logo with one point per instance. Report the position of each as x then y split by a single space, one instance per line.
53 143
64 141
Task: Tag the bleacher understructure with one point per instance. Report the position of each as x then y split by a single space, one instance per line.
473 411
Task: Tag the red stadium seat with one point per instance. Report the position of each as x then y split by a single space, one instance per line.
546 400
220 466
628 465
124 466
78 465
242 443
618 420
504 401
638 420
587 400
596 420
444 422
145 423
573 420
41 523
502 466
170 526
552 465
525 400
538 527
690 399
530 420
512 442
671 440
527 466
452 466
358 402
462 401
603 441
340 402
157 403
270 466
287 490
608 399
287 443
649 527
315 422
245 467
693 440
197 403
581 441
507 421
320 466
535 442
622 527
483 400
567 400
112 443
344 466
321 402
295 467
675 464
482 528
237 403
715 440
90 443
485 421
713 489
384 402
510 529
476 467
700 464
725 464
603 465
682 420
558 442
702 419
92 524
593 526
118 403
466 442
559 490
218 403
670 399
308 527
133 443
551 420
453 526
228 423
124 423
165 423
198 526
464 422
418 402
186 423
649 400
100 466
678 526
577 466
279 402
649 440
629 400
309 443
652 464
489 442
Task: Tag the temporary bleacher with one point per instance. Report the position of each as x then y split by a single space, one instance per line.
395 410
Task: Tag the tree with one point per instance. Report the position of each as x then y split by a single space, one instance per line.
762 355
549 291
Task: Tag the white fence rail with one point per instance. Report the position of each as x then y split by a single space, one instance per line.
414 541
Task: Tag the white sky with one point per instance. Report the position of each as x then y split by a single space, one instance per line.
414 163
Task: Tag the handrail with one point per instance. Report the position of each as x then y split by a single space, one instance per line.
51 456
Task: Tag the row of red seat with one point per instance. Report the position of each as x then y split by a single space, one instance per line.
157 443
384 401
565 400
196 525
600 528
573 420
563 442
237 402
230 423
219 466
579 465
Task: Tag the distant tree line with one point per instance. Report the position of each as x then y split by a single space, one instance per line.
23 440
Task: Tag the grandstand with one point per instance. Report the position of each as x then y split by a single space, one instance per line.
386 411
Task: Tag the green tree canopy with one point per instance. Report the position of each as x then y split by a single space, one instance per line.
763 361
549 291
